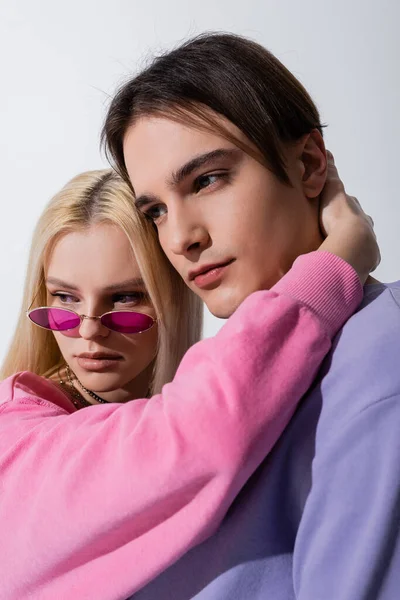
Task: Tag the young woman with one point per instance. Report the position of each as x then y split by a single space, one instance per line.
149 320
96 501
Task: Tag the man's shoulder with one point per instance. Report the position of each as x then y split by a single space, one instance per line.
364 365
373 332
380 301
378 294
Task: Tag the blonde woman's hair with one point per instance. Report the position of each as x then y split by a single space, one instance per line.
88 199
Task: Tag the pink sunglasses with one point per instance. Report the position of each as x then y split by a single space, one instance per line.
64 319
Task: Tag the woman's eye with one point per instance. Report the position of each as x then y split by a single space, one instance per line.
134 298
65 298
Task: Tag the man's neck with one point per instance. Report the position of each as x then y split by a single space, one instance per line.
371 281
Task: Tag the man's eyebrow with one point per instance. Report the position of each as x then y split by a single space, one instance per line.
195 163
145 199
201 161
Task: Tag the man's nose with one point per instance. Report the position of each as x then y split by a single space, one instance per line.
186 236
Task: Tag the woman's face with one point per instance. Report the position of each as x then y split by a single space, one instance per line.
93 271
225 222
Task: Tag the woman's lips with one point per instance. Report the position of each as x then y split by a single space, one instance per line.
98 364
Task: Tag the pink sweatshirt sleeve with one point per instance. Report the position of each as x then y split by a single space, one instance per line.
96 503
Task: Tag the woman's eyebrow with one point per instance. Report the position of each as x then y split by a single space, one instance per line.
128 284
136 282
60 283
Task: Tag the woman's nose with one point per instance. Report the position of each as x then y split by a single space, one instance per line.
92 327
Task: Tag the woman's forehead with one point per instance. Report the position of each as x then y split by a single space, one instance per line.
100 257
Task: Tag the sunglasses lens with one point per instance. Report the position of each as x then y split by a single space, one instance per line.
56 319
127 322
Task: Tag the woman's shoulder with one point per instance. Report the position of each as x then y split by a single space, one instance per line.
26 387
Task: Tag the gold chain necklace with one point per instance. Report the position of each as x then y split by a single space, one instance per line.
89 392
77 399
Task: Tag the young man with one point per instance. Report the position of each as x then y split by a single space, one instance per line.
224 150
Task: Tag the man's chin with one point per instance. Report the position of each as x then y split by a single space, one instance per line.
224 299
224 305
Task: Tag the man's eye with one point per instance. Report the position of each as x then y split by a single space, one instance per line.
205 181
155 212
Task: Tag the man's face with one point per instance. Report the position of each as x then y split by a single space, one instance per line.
225 222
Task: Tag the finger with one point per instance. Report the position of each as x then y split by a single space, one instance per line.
332 172
355 200
331 166
355 205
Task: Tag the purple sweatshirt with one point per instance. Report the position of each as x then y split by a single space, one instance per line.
320 518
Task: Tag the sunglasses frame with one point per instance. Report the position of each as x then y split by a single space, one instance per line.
82 317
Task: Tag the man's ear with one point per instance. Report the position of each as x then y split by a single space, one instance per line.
312 155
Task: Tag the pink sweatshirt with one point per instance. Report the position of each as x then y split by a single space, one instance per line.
94 503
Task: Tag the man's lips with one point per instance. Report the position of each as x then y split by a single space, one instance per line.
206 268
209 277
